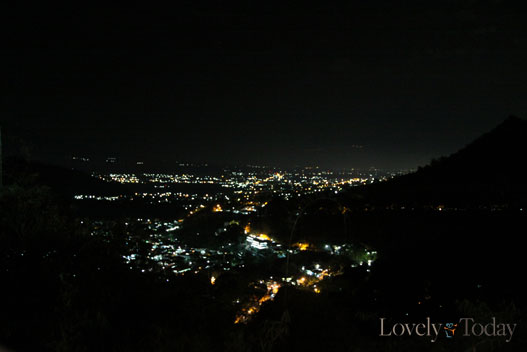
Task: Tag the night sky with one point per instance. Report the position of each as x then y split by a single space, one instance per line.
389 84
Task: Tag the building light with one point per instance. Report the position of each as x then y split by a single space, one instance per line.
302 246
264 237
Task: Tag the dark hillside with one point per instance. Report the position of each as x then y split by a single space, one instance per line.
488 172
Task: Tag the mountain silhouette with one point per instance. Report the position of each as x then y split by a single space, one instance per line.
63 181
486 173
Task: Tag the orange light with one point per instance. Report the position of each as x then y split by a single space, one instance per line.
264 237
302 246
301 281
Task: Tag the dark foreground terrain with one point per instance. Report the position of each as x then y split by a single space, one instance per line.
449 247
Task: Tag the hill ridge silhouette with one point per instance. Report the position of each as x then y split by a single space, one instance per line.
486 172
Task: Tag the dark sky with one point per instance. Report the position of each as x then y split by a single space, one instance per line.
254 82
